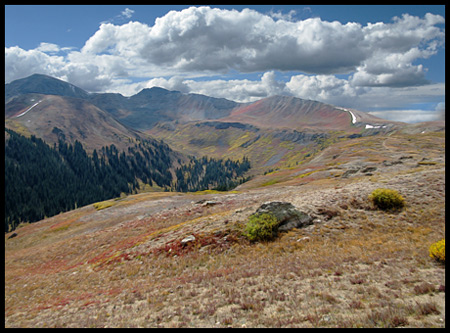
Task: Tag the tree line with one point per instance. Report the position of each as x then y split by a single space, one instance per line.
210 173
42 181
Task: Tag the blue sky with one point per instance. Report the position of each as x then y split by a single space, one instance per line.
388 60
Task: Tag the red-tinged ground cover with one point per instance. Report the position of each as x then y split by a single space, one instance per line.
356 266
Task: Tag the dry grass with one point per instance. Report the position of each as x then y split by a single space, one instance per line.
125 266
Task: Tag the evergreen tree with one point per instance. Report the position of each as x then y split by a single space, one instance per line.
43 181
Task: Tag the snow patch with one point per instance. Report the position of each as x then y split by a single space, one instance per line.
375 126
347 110
23 113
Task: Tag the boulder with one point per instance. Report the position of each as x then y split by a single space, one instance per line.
368 169
349 172
14 234
188 239
286 214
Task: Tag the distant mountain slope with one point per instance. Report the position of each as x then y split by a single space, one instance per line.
141 111
296 113
150 106
157 105
43 84
51 116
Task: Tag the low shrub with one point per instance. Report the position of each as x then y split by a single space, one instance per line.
387 199
103 204
261 227
437 251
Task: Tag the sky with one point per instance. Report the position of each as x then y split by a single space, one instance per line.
386 60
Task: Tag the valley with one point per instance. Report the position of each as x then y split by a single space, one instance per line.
156 258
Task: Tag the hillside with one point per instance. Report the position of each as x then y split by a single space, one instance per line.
149 107
154 105
275 132
42 181
122 263
141 111
50 117
93 155
267 149
296 113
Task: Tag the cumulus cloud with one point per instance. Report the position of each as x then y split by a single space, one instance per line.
182 46
393 49
48 48
241 90
286 17
20 63
203 39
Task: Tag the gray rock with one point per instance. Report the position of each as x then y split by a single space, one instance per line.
188 239
350 172
210 203
368 169
14 234
287 215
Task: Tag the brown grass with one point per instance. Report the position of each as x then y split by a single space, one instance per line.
125 266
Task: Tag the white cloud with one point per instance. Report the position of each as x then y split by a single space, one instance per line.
408 116
20 63
325 88
286 17
393 49
127 13
48 48
202 40
381 59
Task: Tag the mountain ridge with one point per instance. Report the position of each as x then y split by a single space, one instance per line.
150 106
75 118
43 84
140 111
277 122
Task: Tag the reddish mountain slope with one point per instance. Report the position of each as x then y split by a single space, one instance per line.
50 116
295 113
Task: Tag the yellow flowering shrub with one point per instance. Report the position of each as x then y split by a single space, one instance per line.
261 227
103 204
437 251
386 199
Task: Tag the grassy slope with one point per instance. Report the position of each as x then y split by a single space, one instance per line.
124 266
264 149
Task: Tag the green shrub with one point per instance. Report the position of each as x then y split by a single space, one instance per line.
103 204
386 199
261 227
437 251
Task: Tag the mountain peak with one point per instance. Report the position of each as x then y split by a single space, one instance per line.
43 84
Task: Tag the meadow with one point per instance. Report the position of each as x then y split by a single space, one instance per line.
123 263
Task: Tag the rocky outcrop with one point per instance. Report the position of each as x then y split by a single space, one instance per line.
300 137
286 214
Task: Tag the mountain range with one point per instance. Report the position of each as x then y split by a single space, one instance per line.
181 258
47 107
155 105
277 131
274 132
